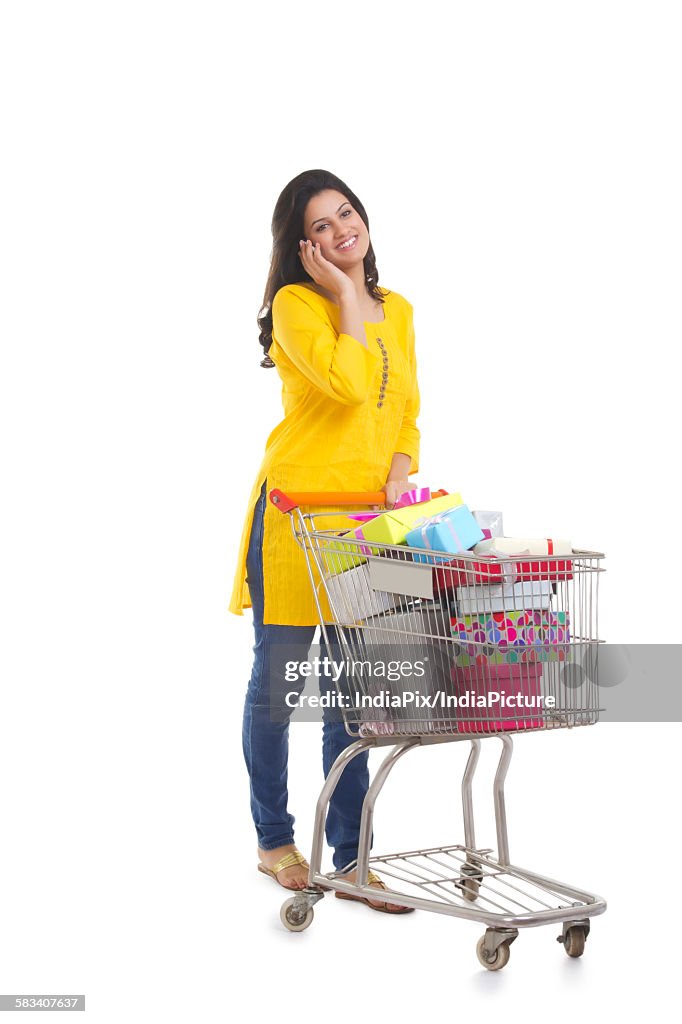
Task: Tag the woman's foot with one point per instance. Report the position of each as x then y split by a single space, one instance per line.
294 877
376 883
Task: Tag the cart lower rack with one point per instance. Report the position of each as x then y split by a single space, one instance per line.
504 646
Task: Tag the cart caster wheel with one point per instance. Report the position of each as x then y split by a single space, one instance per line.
574 941
500 958
295 920
470 888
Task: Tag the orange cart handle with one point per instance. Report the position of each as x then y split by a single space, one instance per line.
287 502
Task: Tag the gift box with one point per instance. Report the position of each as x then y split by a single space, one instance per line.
352 597
527 628
511 638
554 568
490 523
336 559
452 530
503 547
468 572
512 597
512 655
393 526
486 688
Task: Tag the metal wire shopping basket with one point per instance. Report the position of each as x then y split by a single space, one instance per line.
436 643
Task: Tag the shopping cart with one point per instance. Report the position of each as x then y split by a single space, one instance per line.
506 646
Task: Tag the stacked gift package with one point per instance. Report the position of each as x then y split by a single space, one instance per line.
490 523
520 681
499 613
511 637
509 597
393 526
437 524
516 554
339 555
352 597
500 591
452 530
505 560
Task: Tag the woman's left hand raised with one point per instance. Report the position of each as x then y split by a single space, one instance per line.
322 271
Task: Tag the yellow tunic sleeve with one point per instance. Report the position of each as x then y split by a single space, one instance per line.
337 364
409 436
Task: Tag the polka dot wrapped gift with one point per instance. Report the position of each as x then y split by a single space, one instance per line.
512 636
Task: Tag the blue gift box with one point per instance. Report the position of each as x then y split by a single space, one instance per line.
455 530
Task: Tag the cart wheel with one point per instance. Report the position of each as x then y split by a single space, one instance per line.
295 920
500 956
470 888
574 941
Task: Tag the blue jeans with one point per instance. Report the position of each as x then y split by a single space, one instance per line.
265 730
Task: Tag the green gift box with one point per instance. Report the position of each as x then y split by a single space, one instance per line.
392 527
335 560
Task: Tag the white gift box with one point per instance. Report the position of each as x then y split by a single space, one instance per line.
353 597
506 546
491 521
512 597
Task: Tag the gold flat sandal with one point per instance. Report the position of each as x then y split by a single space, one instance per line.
374 880
289 860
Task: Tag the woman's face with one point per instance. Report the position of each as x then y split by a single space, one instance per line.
331 220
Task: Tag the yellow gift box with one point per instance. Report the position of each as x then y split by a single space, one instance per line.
333 559
392 527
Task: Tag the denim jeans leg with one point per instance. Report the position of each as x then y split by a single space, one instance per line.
345 808
265 728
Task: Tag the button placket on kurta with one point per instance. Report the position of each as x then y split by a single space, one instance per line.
384 374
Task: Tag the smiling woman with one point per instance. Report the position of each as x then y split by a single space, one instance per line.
344 350
350 241
317 211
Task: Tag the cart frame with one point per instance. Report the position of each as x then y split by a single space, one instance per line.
449 879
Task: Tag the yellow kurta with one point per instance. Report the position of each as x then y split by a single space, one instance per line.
334 435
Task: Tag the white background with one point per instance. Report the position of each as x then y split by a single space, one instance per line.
520 164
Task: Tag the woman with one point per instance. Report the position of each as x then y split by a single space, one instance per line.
344 349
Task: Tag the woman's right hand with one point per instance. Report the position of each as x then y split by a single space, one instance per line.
322 271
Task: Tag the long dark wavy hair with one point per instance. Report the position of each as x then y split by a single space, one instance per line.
287 229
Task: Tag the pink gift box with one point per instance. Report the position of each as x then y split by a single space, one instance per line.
522 681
